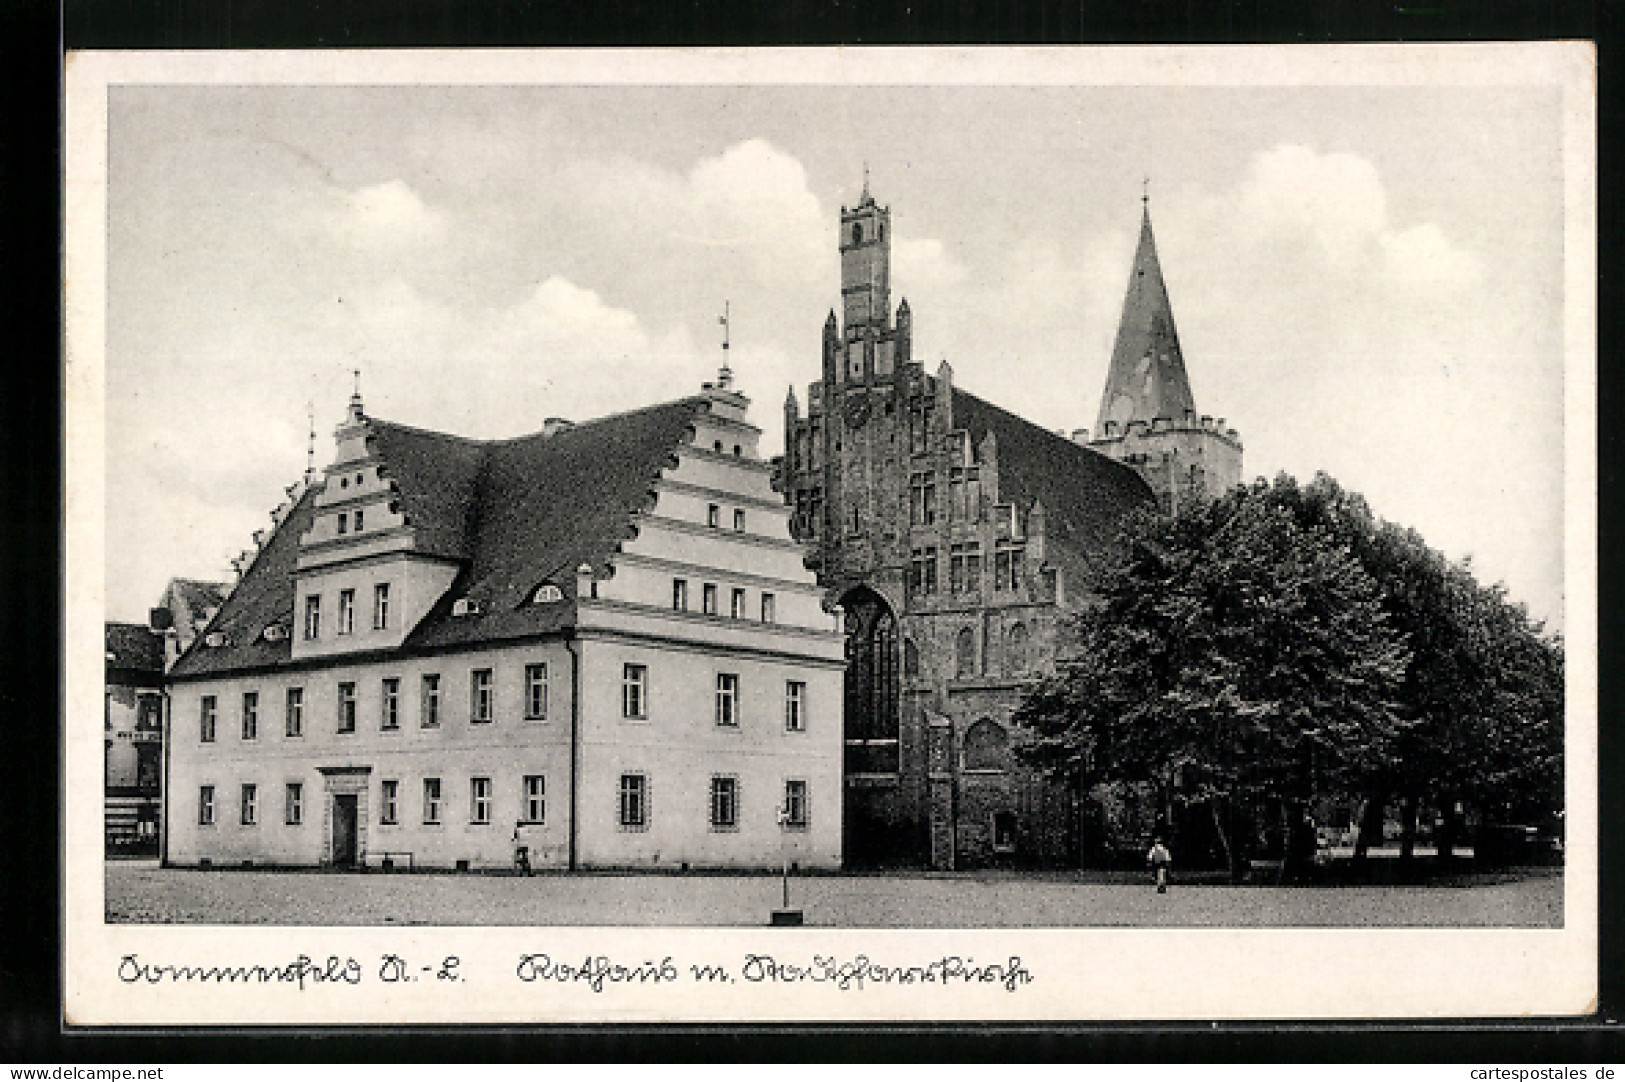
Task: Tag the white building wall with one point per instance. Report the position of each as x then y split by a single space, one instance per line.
505 750
679 748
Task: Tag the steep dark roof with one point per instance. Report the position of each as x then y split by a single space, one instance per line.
1084 493
134 646
513 513
197 594
1147 376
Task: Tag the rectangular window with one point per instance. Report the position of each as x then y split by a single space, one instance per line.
795 804
922 570
1007 567
293 721
206 718
250 805
679 595
634 810
922 499
251 715
205 806
389 803
635 691
965 567
736 604
769 613
431 800
313 616
293 804
479 800
346 612
724 803
429 711
795 706
739 520
344 522
713 516
535 798
380 606
346 708
391 703
479 696
358 519
708 598
727 698
536 690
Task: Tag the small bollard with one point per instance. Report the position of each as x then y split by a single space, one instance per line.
786 918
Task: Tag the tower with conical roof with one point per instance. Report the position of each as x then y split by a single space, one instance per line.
1148 415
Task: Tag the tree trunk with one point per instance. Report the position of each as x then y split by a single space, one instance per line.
1224 839
1449 830
1407 826
1370 829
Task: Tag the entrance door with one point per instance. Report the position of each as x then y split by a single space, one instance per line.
344 830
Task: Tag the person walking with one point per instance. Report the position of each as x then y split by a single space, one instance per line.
521 851
1159 858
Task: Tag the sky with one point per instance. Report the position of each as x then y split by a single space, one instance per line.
1366 280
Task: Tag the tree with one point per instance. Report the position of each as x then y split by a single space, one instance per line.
1482 697
1231 651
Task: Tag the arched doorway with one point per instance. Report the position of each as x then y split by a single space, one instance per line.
876 828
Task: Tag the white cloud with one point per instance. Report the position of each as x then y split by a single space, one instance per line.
387 214
1422 258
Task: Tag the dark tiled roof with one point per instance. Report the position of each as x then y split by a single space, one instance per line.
1085 494
1147 377
133 646
199 595
514 513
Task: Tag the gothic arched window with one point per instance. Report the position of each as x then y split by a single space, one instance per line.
911 660
857 233
985 746
871 683
965 654
1015 653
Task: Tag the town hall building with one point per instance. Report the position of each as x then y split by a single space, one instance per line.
954 536
598 642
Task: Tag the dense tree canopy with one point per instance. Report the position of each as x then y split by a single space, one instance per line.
1281 643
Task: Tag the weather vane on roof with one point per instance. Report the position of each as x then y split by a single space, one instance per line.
725 376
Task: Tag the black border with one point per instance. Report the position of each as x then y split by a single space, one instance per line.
36 32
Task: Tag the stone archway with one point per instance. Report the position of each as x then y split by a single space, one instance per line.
877 826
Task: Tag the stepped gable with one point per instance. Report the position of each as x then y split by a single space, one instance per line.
134 646
543 506
515 512
1147 377
264 596
1084 493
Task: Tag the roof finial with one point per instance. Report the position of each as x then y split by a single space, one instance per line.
310 448
1145 193
356 412
865 179
725 375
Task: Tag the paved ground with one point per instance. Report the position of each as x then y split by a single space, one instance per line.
142 892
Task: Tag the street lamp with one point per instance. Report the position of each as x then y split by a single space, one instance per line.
785 916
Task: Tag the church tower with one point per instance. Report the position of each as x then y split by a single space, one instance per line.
1148 415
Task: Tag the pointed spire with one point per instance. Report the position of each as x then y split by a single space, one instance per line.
1147 376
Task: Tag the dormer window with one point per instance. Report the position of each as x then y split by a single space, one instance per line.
547 593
